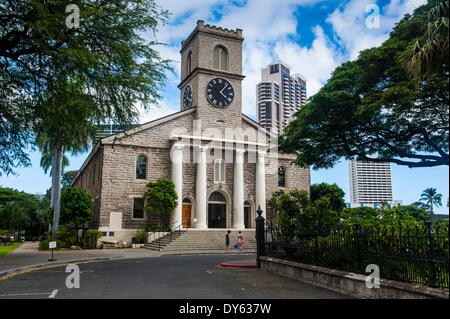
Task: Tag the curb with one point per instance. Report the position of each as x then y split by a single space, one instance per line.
238 266
13 271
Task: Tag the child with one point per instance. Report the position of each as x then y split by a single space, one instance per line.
241 240
227 240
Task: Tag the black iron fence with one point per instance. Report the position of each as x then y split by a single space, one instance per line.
415 253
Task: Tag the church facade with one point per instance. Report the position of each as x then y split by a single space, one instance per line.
223 164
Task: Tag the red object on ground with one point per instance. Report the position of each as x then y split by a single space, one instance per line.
239 264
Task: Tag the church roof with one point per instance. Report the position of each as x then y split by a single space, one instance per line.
111 138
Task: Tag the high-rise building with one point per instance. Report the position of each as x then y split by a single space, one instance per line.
278 96
105 130
370 183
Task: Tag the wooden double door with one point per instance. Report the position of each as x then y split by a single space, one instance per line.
187 215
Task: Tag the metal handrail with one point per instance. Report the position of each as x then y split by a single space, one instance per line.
175 229
171 230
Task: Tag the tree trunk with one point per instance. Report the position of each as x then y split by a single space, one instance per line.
56 187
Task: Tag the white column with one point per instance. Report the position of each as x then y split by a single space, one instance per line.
177 179
261 183
200 189
238 191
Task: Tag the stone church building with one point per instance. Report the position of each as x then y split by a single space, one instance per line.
224 165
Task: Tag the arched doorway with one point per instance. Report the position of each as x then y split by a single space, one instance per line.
186 213
247 214
217 210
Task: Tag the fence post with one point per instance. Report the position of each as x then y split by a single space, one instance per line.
431 257
260 242
358 246
316 233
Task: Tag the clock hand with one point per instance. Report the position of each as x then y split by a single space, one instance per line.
223 89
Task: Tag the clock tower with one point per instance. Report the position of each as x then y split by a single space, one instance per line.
211 75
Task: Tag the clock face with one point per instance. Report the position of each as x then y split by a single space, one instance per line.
219 92
187 97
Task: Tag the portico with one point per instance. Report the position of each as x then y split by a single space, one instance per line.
201 218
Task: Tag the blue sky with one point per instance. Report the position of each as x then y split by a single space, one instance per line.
312 36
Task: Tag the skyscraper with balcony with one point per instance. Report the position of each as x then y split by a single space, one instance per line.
370 183
278 96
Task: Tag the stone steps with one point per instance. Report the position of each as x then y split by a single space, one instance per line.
203 241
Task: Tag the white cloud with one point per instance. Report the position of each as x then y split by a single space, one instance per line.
349 23
315 63
268 28
164 108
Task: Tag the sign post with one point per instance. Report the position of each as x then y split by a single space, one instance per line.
52 246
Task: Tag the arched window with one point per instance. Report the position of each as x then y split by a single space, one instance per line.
141 167
281 177
216 197
220 58
189 63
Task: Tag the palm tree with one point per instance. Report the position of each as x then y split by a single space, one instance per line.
46 162
431 198
46 158
429 52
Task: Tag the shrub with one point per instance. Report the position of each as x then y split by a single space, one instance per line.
43 244
140 237
66 236
91 237
150 228
76 206
161 197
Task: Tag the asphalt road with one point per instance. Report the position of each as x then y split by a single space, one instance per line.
184 277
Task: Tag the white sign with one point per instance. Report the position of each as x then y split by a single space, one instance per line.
51 244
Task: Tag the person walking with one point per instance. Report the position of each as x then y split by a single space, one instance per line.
241 240
227 240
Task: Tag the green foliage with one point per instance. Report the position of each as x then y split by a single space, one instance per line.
415 212
91 237
370 217
84 76
66 237
150 228
67 178
295 211
161 197
46 157
43 244
333 192
371 110
20 211
360 212
319 213
429 52
76 206
140 236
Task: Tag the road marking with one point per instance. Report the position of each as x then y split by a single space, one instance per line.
48 267
86 271
26 294
54 292
209 272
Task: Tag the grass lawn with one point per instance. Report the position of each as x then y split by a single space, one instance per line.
5 250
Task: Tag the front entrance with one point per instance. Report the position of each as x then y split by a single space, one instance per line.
217 211
247 216
186 215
